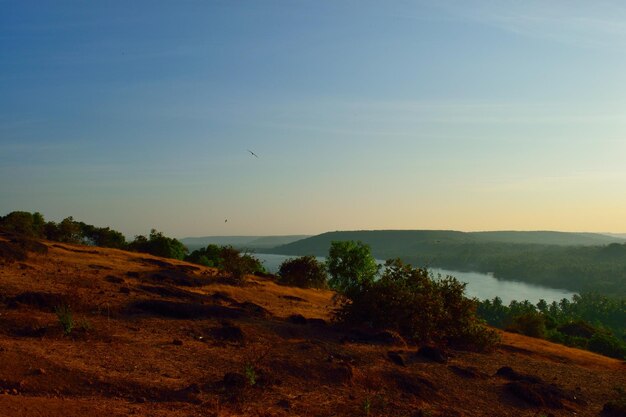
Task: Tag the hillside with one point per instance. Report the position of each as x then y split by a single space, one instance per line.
247 242
580 262
407 241
160 337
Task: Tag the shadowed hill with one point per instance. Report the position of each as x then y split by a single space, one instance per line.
248 242
404 242
582 262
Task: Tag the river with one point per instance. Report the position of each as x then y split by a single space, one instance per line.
479 285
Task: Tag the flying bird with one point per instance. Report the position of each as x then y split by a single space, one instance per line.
252 153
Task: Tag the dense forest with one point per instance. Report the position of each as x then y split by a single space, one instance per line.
582 262
589 321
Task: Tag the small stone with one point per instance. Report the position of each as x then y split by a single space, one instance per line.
396 358
284 404
39 371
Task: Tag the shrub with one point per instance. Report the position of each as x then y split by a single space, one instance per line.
305 272
23 223
608 345
530 324
66 319
238 264
209 256
409 301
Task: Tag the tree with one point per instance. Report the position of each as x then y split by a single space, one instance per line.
23 223
238 264
159 245
69 231
209 256
350 265
305 272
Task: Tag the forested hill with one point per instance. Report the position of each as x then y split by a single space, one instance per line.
246 242
409 242
582 262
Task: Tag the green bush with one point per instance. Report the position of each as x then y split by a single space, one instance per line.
530 324
304 272
23 223
419 307
159 245
238 264
66 319
209 256
608 345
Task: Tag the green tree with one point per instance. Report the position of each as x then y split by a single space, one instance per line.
23 223
69 231
350 265
238 264
209 256
305 272
159 245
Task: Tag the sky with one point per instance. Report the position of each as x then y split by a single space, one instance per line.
465 115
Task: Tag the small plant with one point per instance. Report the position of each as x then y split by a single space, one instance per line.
367 406
66 319
250 374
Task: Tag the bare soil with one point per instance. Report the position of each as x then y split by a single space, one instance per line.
160 337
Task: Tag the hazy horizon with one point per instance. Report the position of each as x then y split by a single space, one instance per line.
435 115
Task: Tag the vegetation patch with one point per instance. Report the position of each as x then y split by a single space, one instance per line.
407 300
589 321
304 272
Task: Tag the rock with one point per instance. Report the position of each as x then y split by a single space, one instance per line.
413 384
508 373
614 409
316 322
396 358
284 404
468 372
432 353
113 279
234 381
292 298
297 319
228 333
385 337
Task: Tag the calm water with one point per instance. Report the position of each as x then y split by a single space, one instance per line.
479 285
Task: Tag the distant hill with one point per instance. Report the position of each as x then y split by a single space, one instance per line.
581 262
404 242
248 242
620 235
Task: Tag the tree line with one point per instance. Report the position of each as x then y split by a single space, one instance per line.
589 321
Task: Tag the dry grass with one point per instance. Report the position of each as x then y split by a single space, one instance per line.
129 364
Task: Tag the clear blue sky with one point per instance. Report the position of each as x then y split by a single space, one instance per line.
470 115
